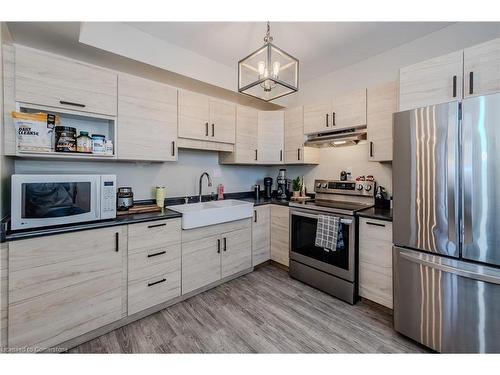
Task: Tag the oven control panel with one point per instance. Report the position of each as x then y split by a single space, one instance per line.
363 188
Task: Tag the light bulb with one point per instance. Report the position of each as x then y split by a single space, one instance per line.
276 69
261 68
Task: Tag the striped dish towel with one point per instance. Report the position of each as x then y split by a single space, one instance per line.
327 232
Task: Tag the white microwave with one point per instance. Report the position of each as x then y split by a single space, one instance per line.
47 200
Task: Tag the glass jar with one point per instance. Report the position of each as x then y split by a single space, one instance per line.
65 139
84 143
98 144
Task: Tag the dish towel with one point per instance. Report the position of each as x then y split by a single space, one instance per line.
327 232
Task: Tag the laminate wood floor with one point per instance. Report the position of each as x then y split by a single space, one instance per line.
262 312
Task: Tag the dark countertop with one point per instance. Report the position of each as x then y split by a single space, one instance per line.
130 219
120 220
376 213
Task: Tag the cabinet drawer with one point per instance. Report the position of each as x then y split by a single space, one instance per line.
154 277
55 81
153 235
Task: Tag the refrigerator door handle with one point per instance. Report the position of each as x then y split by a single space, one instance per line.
467 181
452 176
493 276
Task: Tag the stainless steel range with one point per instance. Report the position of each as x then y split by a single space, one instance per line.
333 272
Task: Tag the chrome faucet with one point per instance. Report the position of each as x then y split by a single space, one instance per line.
201 180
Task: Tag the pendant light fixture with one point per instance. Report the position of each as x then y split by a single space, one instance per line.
268 73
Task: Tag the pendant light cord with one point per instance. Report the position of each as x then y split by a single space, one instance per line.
268 38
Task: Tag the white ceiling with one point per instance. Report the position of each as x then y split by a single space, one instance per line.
321 47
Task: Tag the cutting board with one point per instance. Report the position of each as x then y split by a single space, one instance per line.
140 209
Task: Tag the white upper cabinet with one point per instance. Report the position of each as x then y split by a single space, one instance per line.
54 81
246 144
147 120
346 110
434 81
349 110
382 103
317 118
270 137
295 151
482 69
205 118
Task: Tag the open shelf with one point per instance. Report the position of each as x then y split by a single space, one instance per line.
91 123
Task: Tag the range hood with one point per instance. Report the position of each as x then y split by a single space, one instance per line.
345 137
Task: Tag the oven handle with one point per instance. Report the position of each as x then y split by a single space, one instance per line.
312 216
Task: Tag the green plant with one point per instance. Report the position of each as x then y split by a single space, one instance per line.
296 185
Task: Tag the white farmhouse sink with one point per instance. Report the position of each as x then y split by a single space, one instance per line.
196 215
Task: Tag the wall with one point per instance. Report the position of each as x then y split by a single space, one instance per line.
377 69
180 178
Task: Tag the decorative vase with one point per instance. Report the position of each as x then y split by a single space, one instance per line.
296 194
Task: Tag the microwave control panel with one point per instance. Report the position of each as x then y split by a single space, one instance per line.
108 197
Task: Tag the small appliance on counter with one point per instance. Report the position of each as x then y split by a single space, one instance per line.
283 185
268 187
256 191
343 176
381 198
124 198
46 200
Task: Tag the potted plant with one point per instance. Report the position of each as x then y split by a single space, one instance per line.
296 187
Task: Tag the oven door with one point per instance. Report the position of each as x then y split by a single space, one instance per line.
47 200
341 262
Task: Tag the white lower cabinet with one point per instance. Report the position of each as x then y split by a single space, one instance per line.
280 234
63 286
261 234
154 263
214 252
375 261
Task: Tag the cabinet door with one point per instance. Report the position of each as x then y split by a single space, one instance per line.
375 261
482 69
236 251
280 234
246 135
222 121
55 81
147 120
261 234
429 82
194 115
382 102
201 262
349 110
63 286
295 151
271 137
317 118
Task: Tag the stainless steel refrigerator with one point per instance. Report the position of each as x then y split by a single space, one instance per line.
446 227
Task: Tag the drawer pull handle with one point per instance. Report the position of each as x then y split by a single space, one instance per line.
225 244
333 119
156 254
326 120
206 129
454 86
63 102
173 148
213 130
218 246
157 225
471 83
376 224
117 242
157 282
254 216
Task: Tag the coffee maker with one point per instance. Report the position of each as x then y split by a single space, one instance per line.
283 184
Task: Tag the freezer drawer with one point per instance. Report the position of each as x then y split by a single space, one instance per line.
448 305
